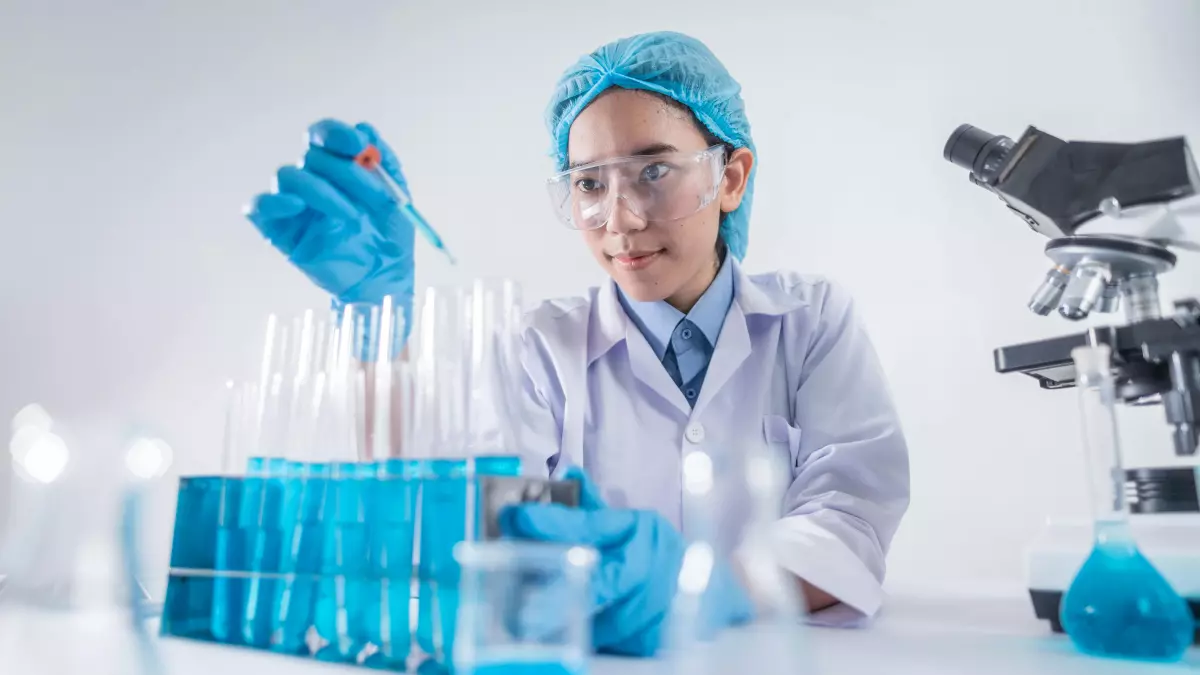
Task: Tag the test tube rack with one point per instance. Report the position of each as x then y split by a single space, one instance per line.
349 563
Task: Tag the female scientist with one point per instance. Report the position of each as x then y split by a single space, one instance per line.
680 348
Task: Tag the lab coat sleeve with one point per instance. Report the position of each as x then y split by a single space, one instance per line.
850 484
540 404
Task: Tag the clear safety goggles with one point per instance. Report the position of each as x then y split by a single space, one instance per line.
656 188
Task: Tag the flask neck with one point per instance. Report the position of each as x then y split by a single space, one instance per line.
1101 440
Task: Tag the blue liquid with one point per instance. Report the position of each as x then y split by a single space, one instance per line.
322 558
300 558
1120 606
524 668
391 502
187 609
338 608
229 555
262 524
443 524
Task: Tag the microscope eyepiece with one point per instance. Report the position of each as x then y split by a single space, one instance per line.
977 151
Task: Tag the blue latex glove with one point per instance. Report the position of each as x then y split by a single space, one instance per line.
338 223
636 576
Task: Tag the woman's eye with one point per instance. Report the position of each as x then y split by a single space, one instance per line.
655 172
587 185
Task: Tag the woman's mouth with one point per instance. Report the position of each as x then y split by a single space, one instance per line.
636 260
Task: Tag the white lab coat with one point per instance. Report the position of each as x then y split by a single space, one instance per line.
792 367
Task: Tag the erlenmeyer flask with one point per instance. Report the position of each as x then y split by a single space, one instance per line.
1118 605
71 598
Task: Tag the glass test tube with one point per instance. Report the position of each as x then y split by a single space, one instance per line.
492 420
343 589
464 337
441 345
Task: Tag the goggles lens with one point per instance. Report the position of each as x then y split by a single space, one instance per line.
655 188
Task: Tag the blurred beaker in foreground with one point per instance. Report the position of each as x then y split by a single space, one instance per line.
524 607
72 601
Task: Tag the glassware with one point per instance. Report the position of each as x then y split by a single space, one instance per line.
1118 605
71 598
352 461
525 608
731 506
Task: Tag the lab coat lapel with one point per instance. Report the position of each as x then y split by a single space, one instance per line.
647 368
732 349
613 326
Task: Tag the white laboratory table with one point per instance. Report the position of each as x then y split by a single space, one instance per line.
914 635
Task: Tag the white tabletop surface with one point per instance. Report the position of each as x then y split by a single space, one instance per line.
916 635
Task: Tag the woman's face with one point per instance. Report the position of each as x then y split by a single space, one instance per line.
674 260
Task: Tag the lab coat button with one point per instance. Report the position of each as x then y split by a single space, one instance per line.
694 433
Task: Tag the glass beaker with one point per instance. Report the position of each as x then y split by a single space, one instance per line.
1118 605
730 573
70 602
525 608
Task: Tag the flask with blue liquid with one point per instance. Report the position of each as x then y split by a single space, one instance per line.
1118 605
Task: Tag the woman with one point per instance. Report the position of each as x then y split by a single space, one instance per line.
680 349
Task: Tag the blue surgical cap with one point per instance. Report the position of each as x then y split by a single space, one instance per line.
673 65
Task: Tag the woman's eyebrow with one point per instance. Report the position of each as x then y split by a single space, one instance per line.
649 150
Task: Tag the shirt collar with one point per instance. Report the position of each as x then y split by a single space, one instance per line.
764 295
657 320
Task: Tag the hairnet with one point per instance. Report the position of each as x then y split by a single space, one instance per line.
673 65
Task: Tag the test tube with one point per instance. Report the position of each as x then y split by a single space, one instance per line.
300 538
441 372
440 379
190 602
492 421
271 488
229 560
343 589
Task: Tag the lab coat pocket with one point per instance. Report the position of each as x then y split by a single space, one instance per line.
781 435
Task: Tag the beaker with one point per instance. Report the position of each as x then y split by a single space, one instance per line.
70 599
525 608
1118 605
730 574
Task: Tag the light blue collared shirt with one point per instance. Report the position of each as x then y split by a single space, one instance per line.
692 337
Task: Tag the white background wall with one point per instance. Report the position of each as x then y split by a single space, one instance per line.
134 132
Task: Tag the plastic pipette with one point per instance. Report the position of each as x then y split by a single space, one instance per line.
371 160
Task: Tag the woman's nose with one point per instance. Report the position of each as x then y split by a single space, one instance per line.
623 220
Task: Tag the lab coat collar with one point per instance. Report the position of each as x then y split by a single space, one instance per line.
767 298
611 324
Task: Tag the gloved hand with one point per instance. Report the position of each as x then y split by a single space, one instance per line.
338 223
635 579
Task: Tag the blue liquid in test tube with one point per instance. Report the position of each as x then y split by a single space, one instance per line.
391 509
229 562
344 588
188 607
444 518
300 558
262 524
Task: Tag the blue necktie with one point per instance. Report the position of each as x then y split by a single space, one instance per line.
688 354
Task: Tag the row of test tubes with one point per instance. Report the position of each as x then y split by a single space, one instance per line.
348 477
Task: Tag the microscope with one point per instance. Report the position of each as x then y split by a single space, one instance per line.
1114 215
